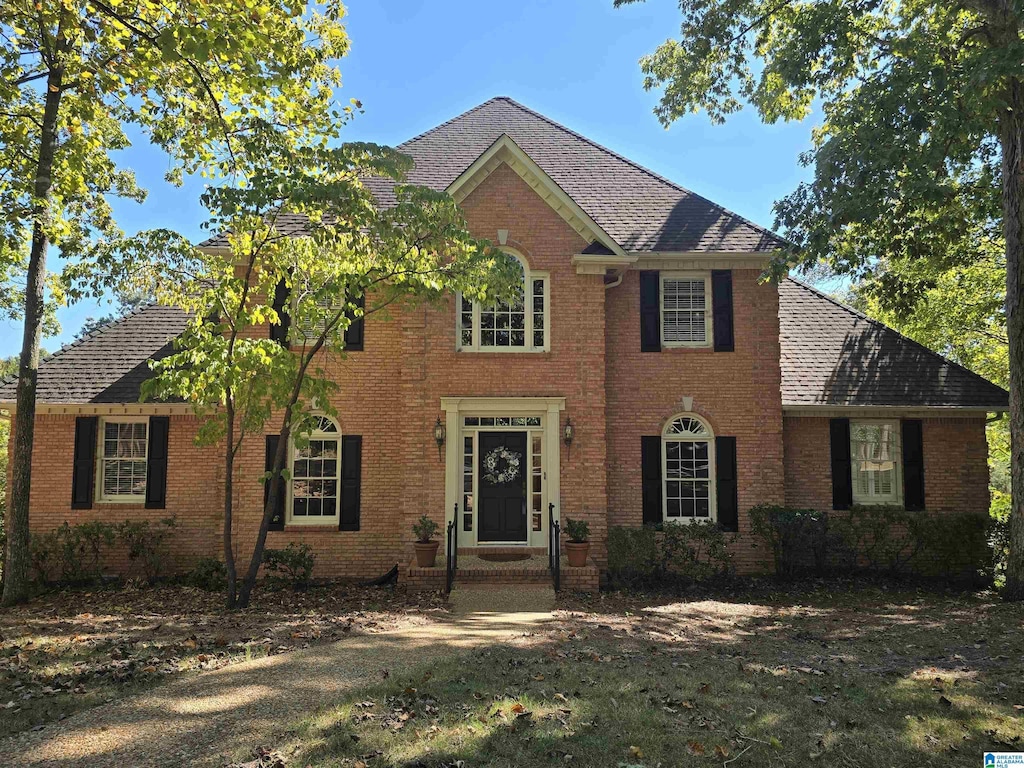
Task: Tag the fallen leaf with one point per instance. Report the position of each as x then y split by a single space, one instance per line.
695 748
636 752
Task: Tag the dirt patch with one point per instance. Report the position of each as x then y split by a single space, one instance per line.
70 650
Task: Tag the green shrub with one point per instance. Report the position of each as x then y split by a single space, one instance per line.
883 539
673 553
693 552
799 539
578 531
146 545
210 574
71 554
291 566
632 556
960 547
425 529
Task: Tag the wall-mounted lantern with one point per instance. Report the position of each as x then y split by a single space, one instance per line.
568 433
439 435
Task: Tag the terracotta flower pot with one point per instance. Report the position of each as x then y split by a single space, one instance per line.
426 553
576 552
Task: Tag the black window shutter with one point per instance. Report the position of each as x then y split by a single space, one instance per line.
913 465
726 486
277 521
354 332
842 481
156 462
83 472
650 311
279 331
650 472
721 309
351 481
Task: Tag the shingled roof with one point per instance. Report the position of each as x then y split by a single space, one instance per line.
109 364
834 355
638 209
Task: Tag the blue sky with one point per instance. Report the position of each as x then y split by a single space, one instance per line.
415 64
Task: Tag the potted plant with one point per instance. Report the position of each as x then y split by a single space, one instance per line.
578 546
426 548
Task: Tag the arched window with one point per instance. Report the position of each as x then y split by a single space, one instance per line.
689 470
316 474
519 326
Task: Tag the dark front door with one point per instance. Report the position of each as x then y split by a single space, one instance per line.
502 486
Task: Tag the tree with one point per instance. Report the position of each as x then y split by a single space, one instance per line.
355 258
127 302
73 75
920 155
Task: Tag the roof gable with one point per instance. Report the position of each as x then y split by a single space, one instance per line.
635 209
833 355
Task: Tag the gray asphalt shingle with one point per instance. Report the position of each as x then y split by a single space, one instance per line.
834 355
639 210
110 364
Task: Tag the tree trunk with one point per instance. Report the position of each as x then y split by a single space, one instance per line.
16 577
275 481
1012 140
229 501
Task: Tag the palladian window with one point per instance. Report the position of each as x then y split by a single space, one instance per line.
316 475
689 470
519 326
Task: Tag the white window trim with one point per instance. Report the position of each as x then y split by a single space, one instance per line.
666 437
529 275
313 522
708 307
897 499
118 498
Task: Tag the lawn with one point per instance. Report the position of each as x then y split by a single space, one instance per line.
70 650
838 676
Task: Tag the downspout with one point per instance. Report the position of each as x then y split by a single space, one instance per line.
615 281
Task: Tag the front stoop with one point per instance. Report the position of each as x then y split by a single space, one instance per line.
585 579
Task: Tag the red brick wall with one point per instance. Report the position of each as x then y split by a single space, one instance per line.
390 394
194 482
736 392
955 464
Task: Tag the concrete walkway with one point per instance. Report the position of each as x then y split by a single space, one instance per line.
208 719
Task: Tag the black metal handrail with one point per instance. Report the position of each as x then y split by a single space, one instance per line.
452 551
554 548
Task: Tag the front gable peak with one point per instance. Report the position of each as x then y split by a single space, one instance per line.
504 151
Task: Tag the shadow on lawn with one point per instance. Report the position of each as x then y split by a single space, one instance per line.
859 677
877 677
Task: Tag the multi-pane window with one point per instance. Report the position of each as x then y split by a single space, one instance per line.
688 470
875 455
316 475
521 325
685 310
123 460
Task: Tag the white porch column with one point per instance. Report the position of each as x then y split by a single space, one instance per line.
452 461
553 456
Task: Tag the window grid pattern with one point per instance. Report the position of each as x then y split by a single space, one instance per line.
520 325
687 479
316 474
124 459
468 472
502 421
684 311
875 452
536 480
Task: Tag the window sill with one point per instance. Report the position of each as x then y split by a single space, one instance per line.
136 500
312 528
501 352
694 347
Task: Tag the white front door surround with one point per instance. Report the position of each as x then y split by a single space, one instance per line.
540 418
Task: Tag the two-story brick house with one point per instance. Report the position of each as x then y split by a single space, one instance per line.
648 375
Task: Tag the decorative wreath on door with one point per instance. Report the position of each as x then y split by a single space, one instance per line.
501 465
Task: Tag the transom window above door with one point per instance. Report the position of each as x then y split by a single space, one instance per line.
519 326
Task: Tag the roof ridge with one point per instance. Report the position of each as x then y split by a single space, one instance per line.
459 116
633 163
879 323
